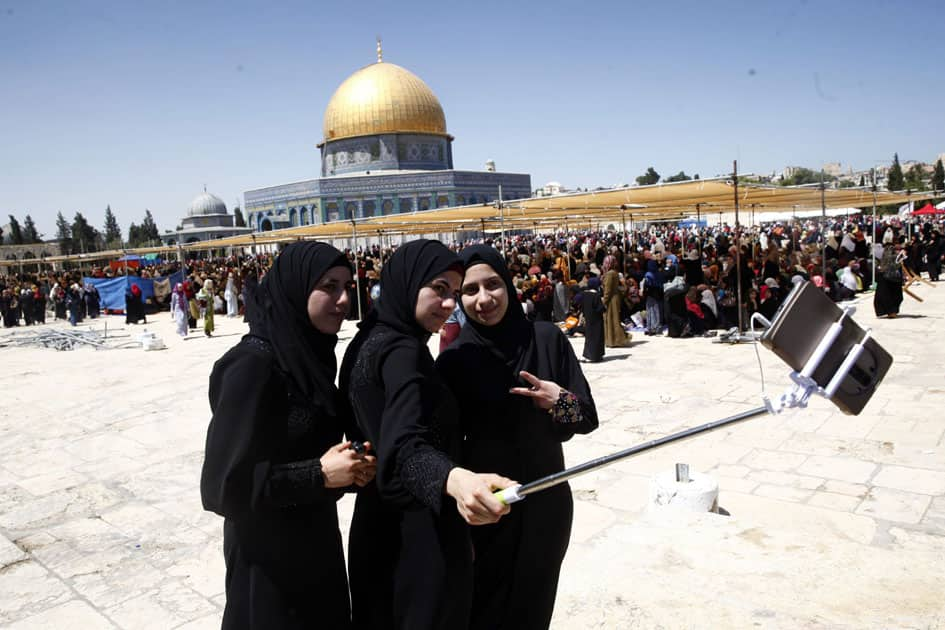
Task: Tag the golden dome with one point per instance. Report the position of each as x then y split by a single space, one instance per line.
383 98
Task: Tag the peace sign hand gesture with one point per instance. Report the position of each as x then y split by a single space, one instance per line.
544 394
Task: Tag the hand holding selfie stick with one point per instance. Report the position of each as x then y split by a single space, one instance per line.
806 306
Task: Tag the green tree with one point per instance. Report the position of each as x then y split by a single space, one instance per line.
63 234
85 238
895 179
678 177
915 178
238 217
134 235
938 177
650 177
16 234
801 176
30 233
149 229
112 231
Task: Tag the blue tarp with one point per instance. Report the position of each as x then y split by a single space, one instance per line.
112 290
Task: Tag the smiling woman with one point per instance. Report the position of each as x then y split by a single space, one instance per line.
410 558
530 395
275 462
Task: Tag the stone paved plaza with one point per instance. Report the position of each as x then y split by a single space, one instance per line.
833 521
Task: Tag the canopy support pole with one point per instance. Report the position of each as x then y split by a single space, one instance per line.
699 231
505 254
357 276
873 243
738 249
823 229
623 219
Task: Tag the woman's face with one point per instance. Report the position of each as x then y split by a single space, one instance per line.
328 302
436 301
485 298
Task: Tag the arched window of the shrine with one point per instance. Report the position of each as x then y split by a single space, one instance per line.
266 225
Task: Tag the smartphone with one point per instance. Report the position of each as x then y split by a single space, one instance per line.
798 326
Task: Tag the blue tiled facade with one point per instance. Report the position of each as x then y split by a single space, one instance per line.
385 152
378 193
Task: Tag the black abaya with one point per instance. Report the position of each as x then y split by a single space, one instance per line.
593 309
518 559
275 412
284 561
410 557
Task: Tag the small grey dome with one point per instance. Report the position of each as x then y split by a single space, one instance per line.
205 203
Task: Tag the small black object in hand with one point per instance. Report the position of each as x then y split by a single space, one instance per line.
358 447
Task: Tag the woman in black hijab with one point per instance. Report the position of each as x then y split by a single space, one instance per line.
275 464
516 431
410 558
593 309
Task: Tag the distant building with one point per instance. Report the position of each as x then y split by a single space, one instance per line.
385 151
551 188
207 219
833 169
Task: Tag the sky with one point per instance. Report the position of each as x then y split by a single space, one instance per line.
139 105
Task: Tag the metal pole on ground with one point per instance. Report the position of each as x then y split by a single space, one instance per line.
738 248
823 228
505 256
357 276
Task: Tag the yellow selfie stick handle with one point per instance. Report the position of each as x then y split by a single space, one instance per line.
510 495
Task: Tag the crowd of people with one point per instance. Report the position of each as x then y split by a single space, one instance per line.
663 279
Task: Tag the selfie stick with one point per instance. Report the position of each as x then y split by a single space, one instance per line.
797 396
519 492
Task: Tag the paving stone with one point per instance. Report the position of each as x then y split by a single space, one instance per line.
834 501
773 460
26 589
730 471
817 523
843 426
631 493
787 480
171 605
918 541
210 622
10 553
784 493
894 505
735 484
857 490
589 520
72 614
911 479
118 582
841 468
935 515
60 480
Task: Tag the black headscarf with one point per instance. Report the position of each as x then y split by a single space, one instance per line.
278 313
412 266
509 339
